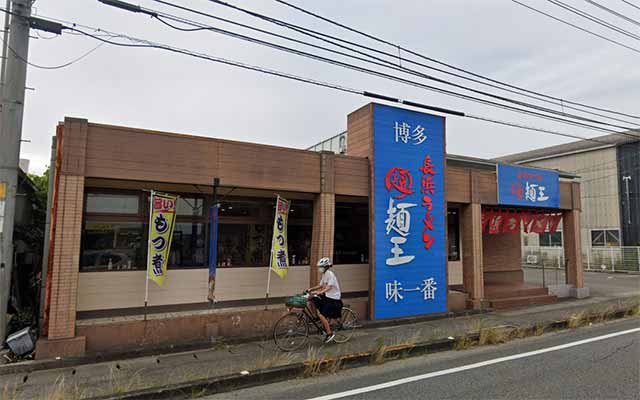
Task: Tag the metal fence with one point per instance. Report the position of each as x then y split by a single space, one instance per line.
610 259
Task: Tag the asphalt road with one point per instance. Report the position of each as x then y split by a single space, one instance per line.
578 364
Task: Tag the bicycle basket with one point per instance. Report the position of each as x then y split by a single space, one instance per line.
297 301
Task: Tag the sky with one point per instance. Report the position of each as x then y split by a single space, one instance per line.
154 89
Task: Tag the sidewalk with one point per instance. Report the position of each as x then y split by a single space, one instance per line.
117 377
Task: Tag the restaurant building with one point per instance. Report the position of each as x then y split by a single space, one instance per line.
446 257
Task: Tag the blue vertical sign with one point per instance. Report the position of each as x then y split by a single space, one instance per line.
410 254
532 187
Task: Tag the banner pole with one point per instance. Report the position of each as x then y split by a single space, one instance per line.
266 298
146 285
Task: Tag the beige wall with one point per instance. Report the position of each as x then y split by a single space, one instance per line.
454 276
125 289
599 187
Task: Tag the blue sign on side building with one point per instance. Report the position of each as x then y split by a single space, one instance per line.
531 187
410 209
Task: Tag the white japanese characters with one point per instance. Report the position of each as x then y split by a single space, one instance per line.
534 192
394 290
404 133
399 221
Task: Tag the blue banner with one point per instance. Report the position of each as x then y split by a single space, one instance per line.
410 209
531 187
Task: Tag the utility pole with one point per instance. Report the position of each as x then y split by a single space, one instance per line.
10 136
626 180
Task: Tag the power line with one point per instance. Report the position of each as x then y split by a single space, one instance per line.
387 63
201 26
141 43
592 18
631 4
609 10
396 46
48 67
577 27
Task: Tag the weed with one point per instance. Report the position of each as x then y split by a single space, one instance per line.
576 320
519 333
274 359
61 391
539 329
315 367
477 325
198 393
493 336
462 343
120 382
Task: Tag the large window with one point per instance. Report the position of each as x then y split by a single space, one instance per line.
116 227
351 244
115 231
114 234
550 239
453 231
246 227
605 238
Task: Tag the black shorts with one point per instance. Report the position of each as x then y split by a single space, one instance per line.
329 308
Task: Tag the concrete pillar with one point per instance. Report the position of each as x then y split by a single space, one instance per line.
472 259
324 207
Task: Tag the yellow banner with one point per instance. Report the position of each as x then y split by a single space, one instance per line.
161 224
279 252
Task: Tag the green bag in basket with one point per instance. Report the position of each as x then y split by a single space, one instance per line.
297 301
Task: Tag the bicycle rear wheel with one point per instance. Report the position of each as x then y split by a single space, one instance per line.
291 331
348 323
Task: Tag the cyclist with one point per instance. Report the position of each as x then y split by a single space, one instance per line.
327 303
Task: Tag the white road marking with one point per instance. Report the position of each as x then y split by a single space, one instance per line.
429 375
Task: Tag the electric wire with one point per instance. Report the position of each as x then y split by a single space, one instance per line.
141 43
392 77
417 54
611 11
307 32
148 44
386 63
631 4
594 19
53 67
577 27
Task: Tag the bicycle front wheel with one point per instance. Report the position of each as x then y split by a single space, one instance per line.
291 332
347 325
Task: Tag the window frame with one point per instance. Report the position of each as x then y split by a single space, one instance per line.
550 243
605 232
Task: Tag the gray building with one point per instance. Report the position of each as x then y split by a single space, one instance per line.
609 167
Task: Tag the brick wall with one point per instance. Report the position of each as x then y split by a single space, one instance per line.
66 257
501 252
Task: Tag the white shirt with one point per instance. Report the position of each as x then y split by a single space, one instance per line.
329 279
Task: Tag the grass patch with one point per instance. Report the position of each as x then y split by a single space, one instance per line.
577 320
489 336
317 363
120 382
62 391
268 360
462 343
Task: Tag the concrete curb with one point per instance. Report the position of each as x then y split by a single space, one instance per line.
158 351
237 381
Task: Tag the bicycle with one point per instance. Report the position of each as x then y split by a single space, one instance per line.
291 331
